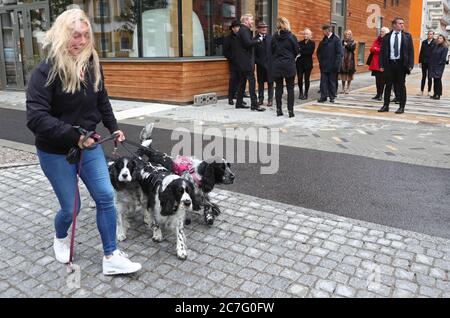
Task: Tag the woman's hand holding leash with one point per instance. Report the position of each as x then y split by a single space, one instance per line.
120 136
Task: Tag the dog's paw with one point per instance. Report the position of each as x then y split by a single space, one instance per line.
157 235
182 254
187 221
121 237
209 218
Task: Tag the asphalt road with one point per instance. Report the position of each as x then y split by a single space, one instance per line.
405 196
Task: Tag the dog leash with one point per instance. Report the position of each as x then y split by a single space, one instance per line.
99 141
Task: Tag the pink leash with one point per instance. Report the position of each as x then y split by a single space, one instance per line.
74 218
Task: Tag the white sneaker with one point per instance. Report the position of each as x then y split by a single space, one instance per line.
61 247
119 263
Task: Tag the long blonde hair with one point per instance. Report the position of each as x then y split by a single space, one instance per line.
56 42
283 24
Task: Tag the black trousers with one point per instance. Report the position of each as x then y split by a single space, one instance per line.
395 75
243 77
290 83
381 84
306 74
328 87
262 76
233 84
437 86
425 76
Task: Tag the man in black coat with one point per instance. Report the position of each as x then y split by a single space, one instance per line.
329 54
396 61
246 62
229 51
263 59
426 51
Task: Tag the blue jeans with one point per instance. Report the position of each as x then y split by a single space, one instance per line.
95 175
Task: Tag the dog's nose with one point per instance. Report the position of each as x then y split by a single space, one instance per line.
187 202
125 175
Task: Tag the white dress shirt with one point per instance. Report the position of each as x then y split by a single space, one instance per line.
393 57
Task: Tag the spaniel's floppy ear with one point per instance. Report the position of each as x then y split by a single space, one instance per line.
114 174
206 171
168 201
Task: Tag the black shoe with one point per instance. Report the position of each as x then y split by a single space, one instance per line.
401 110
380 98
279 113
436 97
291 114
332 100
300 96
376 97
304 97
242 107
230 102
258 109
395 100
384 109
244 103
322 100
260 102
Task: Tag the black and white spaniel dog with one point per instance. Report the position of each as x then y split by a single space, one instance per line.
124 173
204 174
169 197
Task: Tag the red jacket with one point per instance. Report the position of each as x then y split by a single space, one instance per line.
375 51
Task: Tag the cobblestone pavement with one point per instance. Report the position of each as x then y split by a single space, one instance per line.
256 248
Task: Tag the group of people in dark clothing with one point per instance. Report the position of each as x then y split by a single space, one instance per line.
275 60
280 57
433 58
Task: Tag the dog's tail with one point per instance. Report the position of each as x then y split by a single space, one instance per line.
146 135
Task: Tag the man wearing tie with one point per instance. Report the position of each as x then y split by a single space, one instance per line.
396 61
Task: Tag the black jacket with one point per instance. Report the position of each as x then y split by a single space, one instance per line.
438 61
52 113
305 61
284 50
229 50
330 54
263 54
406 51
244 49
425 51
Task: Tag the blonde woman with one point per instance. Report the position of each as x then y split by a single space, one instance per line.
305 63
348 67
67 90
284 51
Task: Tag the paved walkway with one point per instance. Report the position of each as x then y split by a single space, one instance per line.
257 248
419 109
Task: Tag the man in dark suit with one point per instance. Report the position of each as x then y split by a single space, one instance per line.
229 51
263 59
396 61
246 61
426 51
329 54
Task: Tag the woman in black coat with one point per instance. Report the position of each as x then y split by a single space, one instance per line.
437 66
305 63
284 51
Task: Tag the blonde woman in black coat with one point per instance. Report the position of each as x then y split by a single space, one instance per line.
284 50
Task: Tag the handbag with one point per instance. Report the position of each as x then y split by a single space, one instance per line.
369 59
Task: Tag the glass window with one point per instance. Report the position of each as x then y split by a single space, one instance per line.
150 28
361 53
205 30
